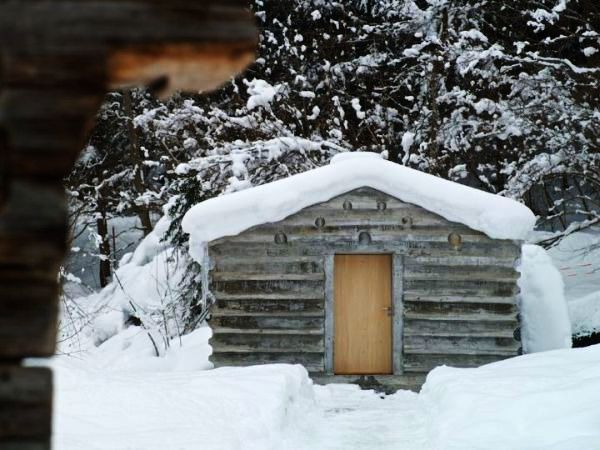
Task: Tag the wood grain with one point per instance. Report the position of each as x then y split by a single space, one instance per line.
363 327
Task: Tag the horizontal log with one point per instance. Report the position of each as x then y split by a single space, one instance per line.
25 406
419 363
465 316
268 322
312 361
454 309
28 317
285 264
222 312
283 296
459 259
413 296
404 247
263 342
380 232
437 344
262 276
268 331
497 328
462 288
251 305
460 273
258 288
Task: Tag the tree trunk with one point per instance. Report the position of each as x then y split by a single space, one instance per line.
104 246
434 88
142 211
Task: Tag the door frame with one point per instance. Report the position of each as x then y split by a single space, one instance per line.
397 296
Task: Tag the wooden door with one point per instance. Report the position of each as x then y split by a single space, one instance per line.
362 320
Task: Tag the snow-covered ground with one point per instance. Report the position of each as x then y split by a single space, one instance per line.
541 401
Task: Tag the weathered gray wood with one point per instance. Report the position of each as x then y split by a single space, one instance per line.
388 384
25 407
329 312
422 363
419 297
312 359
398 308
294 322
453 306
460 328
263 341
475 345
262 276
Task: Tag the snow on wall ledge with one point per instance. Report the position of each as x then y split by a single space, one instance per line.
229 215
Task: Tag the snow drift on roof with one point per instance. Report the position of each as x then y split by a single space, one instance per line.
228 215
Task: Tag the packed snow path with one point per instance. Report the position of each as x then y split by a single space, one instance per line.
348 418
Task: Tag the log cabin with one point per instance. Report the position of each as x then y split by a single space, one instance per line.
362 271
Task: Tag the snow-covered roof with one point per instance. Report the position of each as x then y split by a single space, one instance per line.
228 215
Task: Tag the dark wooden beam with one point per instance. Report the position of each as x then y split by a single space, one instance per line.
57 60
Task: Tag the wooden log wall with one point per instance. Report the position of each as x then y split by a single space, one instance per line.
458 304
57 60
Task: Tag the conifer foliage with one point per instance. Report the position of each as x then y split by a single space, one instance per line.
503 96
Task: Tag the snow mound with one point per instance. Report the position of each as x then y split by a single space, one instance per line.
543 308
541 401
228 215
229 408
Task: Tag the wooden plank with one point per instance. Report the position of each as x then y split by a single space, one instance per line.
459 259
420 363
498 328
463 345
269 331
270 296
458 309
312 361
468 316
294 321
363 327
222 312
461 273
25 407
418 296
382 231
262 305
404 247
258 288
264 342
272 265
263 276
329 265
398 307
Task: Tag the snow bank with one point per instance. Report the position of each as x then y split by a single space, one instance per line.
541 401
228 215
585 314
545 323
229 408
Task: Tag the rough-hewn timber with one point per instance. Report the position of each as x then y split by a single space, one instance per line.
57 60
453 306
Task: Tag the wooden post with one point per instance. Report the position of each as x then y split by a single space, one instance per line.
57 60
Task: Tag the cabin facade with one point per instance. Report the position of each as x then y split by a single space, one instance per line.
364 288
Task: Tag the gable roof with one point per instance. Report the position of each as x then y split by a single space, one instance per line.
228 215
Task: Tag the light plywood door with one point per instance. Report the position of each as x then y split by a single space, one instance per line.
362 319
